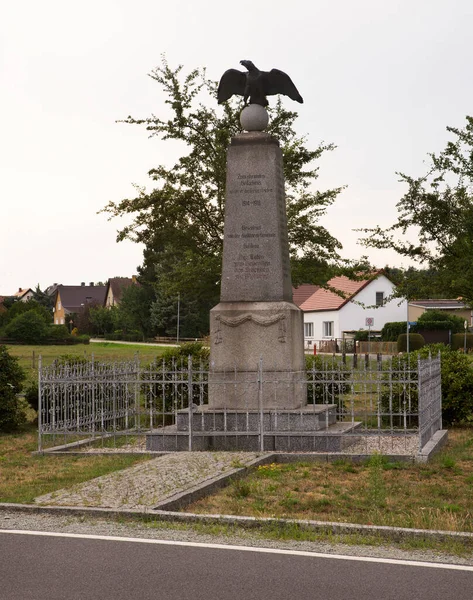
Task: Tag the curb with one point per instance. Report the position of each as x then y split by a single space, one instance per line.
389 533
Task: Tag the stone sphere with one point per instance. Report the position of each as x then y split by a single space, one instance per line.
254 117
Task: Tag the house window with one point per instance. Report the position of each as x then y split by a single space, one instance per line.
57 321
328 328
59 305
308 330
62 321
379 298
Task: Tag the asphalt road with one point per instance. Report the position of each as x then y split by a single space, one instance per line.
41 566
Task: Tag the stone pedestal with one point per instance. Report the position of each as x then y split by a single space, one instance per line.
256 321
254 340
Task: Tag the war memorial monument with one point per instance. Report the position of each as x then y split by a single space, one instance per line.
257 377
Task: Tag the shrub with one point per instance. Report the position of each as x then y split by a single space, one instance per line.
28 327
20 308
322 389
194 349
70 359
416 342
362 335
439 319
176 358
458 341
457 384
31 395
12 413
58 332
391 331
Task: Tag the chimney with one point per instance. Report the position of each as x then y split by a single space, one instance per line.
19 289
91 284
82 283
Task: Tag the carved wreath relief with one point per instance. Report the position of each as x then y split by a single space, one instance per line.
262 321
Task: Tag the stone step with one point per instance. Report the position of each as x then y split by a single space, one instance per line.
334 439
310 418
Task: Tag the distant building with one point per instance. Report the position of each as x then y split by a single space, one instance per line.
115 288
71 299
457 308
23 294
328 315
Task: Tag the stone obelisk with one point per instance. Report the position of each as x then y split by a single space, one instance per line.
256 322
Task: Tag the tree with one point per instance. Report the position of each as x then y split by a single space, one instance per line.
102 320
11 377
133 313
180 221
417 284
437 212
43 299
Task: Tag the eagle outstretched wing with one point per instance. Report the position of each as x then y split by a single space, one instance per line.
232 82
278 82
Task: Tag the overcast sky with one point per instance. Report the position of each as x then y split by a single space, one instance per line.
381 80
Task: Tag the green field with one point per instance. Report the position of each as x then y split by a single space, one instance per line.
107 351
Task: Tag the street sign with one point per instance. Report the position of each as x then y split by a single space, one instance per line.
369 322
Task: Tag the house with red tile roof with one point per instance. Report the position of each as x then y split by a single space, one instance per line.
303 292
345 307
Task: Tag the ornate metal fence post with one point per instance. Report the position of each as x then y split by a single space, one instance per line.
40 404
439 406
260 404
137 407
190 398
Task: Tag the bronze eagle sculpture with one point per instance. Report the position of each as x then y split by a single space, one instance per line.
256 85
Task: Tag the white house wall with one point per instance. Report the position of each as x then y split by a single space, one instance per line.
318 318
352 316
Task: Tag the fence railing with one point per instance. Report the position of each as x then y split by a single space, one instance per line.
127 399
350 346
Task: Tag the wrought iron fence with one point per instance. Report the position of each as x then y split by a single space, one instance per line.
118 403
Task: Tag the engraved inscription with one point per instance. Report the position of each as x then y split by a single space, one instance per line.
254 257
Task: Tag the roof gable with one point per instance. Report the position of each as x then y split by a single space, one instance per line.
303 293
324 299
74 297
117 285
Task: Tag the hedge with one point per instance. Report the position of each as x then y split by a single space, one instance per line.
416 342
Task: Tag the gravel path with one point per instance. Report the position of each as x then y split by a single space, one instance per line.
146 484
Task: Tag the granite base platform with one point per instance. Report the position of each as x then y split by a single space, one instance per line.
313 429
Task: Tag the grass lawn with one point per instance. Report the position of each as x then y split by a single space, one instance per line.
438 495
106 351
23 476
